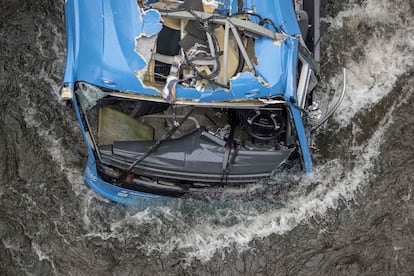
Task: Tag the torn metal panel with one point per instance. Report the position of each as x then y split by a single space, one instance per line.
243 86
145 43
151 22
101 43
167 89
114 47
144 46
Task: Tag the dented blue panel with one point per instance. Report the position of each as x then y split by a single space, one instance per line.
151 23
271 67
243 86
101 43
103 34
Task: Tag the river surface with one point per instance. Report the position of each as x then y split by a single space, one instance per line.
353 216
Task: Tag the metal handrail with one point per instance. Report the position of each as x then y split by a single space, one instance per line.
338 103
246 25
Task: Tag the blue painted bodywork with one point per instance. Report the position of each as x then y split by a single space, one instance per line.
101 50
107 190
101 42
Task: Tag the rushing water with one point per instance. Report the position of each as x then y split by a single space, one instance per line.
354 215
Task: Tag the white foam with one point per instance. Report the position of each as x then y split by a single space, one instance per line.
388 54
50 75
208 232
54 147
42 255
334 184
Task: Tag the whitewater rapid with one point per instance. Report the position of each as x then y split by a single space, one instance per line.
199 230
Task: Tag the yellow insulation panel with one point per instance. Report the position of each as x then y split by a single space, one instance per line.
117 126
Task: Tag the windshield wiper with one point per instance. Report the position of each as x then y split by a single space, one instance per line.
156 145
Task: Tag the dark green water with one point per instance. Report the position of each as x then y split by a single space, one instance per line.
353 216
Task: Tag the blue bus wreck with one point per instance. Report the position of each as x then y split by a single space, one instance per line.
181 96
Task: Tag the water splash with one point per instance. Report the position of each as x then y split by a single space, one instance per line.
201 230
380 54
